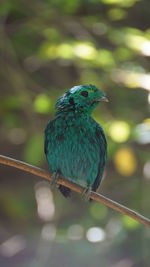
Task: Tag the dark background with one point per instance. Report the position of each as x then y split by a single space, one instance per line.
46 48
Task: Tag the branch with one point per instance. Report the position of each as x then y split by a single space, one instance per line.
95 196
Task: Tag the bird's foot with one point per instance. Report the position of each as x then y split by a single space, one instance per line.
86 193
53 181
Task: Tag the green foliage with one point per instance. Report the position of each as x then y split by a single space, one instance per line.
33 152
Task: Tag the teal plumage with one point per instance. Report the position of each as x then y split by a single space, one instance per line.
75 144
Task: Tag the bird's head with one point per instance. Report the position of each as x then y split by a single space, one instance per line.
81 98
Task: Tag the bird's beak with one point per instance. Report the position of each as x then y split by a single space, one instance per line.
103 99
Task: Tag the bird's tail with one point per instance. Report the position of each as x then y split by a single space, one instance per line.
65 191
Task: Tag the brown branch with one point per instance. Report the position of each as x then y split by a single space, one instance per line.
97 197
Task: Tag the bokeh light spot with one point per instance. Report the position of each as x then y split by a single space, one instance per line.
98 211
113 227
125 161
48 232
119 131
95 234
145 48
12 246
148 98
65 51
42 104
116 14
143 132
127 3
50 51
85 51
45 203
105 58
146 170
75 232
17 136
132 79
130 223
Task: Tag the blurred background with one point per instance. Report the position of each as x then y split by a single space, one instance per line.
47 47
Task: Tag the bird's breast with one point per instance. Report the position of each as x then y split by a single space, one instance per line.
76 153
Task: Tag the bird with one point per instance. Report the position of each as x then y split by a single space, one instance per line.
74 143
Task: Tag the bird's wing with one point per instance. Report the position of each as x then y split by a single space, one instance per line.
103 156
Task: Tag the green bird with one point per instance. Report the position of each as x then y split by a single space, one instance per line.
75 144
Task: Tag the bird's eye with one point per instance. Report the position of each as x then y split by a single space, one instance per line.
84 93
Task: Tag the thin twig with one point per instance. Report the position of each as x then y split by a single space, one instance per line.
95 196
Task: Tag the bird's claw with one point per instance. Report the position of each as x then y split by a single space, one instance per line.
53 181
86 193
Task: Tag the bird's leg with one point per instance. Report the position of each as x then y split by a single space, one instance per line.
53 181
86 193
